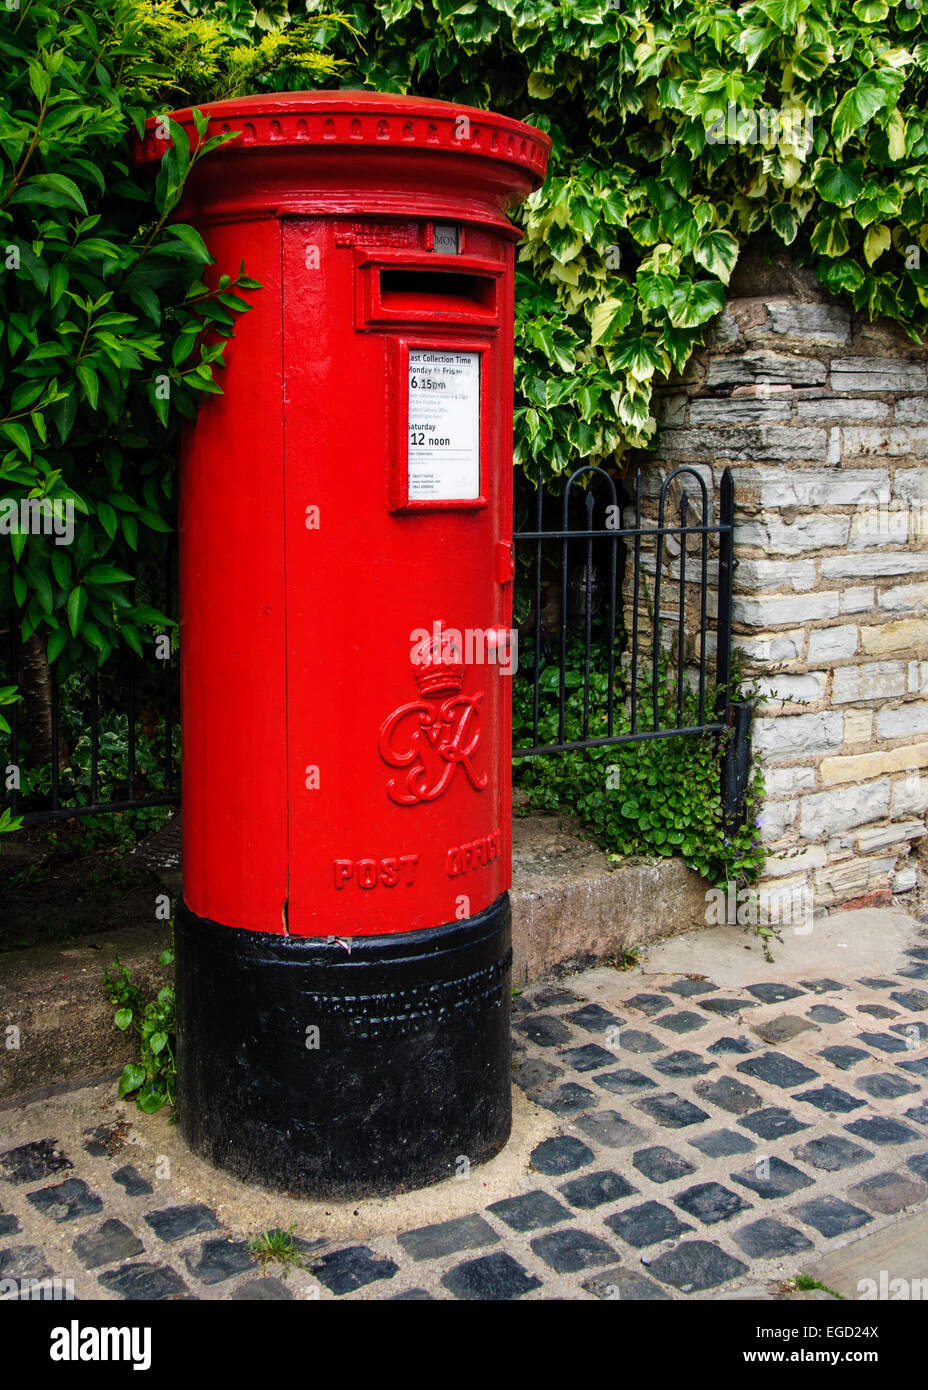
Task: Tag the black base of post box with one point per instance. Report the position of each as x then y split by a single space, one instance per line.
345 1068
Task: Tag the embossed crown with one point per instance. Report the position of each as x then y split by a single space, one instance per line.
439 668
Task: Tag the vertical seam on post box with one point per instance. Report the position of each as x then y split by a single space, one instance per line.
285 911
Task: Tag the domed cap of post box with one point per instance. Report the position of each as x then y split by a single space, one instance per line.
355 151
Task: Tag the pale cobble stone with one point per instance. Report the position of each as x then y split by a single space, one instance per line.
859 767
776 368
876 374
823 813
811 488
827 644
858 726
727 410
808 688
888 442
778 537
838 408
772 647
873 566
858 600
874 680
911 410
903 598
895 636
799 575
772 610
786 443
788 736
801 325
903 721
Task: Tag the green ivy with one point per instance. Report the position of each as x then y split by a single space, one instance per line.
659 796
665 163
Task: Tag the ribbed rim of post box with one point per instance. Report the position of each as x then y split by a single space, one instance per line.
364 119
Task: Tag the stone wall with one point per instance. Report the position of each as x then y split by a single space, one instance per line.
823 418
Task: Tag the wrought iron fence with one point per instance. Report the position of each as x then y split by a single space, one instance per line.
599 617
95 741
602 618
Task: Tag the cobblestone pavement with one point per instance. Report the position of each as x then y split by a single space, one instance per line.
673 1138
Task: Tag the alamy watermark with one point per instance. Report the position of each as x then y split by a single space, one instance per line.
38 516
786 905
769 126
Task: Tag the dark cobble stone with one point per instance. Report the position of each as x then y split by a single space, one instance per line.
133 1182
661 1164
884 1042
66 1201
562 1154
218 1260
729 1094
683 1022
696 1265
686 988
593 1018
30 1162
831 1153
110 1243
765 1239
490 1278
649 1004
592 1057
772 1178
543 1030
567 1250
671 1111
722 1142
530 1211
173 1223
343 1271
734 1046
145 1282
684 1064
830 1099
777 1069
885 1085
831 1216
825 1013
624 1082
769 993
710 1202
879 1129
448 1237
727 1008
844 1057
772 1123
647 1224
536 1074
608 1128
568 1099
595 1189
633 1040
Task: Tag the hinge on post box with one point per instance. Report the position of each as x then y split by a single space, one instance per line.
505 562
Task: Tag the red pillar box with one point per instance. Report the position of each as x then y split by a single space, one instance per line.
343 949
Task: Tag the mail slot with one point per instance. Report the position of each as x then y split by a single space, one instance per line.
343 953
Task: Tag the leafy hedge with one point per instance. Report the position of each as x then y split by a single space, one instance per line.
109 336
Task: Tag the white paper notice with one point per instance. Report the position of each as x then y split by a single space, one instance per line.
444 425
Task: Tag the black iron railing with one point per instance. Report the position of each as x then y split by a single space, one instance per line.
111 735
632 708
